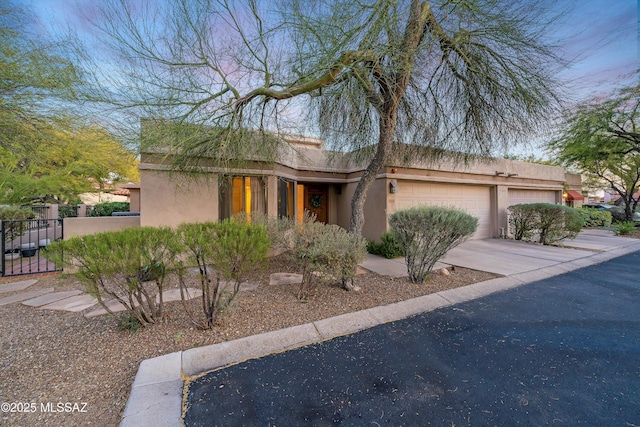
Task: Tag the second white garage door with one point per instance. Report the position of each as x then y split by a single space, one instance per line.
518 196
474 199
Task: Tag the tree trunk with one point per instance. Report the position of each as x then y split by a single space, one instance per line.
392 87
383 151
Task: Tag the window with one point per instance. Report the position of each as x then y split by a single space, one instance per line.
238 194
286 206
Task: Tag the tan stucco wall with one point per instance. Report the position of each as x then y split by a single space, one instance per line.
343 208
164 203
134 200
92 225
167 199
375 210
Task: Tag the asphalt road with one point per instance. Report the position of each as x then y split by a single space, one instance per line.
563 351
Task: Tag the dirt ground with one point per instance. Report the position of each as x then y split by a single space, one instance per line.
60 368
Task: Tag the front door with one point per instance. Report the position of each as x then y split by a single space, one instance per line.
316 201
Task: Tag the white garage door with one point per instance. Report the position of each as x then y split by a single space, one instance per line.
517 196
474 199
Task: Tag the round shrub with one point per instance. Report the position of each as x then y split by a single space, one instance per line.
545 223
326 254
427 233
595 217
107 208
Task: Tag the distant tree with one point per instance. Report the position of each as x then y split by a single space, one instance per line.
602 140
34 75
62 160
531 158
412 79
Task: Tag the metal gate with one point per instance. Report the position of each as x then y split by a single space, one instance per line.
24 244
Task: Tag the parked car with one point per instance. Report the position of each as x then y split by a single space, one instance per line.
598 206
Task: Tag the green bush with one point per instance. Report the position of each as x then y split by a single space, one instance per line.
595 217
522 221
544 222
427 233
229 250
129 265
389 246
279 230
326 254
624 228
67 211
107 208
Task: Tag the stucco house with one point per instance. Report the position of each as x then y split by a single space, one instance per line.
307 176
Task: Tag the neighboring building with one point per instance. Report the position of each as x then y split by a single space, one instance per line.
305 178
572 194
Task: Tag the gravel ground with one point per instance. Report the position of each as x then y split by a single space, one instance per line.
52 358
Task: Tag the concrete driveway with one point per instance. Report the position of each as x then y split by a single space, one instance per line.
511 258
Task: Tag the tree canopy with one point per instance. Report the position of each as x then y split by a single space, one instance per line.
602 140
408 77
45 155
33 74
59 161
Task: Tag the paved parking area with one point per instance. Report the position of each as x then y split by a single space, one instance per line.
562 351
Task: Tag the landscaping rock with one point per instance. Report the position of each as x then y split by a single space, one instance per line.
285 279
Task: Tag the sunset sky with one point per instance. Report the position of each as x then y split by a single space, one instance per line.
600 37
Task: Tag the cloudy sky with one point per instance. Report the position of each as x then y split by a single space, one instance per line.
602 40
600 37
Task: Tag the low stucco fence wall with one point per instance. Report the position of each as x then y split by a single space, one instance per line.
92 225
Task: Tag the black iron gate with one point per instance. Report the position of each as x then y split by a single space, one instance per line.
24 244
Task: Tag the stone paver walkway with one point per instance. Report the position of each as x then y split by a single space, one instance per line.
17 286
72 304
49 298
76 301
24 296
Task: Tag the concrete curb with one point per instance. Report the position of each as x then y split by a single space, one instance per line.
157 391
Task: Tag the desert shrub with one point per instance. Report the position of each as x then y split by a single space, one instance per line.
595 217
427 233
16 229
129 265
326 254
107 208
389 246
557 222
224 253
279 230
544 222
128 322
624 228
522 221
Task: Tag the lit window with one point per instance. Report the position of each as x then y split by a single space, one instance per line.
238 194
